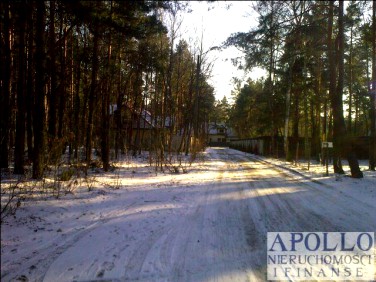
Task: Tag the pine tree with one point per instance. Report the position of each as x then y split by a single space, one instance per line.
39 150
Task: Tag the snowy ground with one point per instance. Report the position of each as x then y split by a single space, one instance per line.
209 224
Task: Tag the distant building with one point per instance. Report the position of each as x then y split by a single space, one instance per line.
219 134
139 129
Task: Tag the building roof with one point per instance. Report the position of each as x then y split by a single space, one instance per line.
228 131
214 127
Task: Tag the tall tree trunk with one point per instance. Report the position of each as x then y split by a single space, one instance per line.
76 104
372 147
340 137
119 144
307 152
105 130
349 118
335 99
39 113
189 120
315 112
105 138
63 80
85 98
52 73
30 83
287 115
171 108
19 150
349 148
136 111
271 80
5 87
92 96
295 125
196 102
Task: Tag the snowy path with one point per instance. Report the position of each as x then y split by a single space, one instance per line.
210 227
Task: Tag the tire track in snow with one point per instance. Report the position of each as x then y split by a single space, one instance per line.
217 233
322 200
308 209
203 244
170 256
138 261
38 266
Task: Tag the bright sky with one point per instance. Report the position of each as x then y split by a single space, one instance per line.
217 21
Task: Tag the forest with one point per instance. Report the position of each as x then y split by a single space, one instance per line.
108 112
92 80
320 61
98 78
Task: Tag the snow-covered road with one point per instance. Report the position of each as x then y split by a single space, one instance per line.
207 225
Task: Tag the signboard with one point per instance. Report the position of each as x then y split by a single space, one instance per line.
327 145
338 256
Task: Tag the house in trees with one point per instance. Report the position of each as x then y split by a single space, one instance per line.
138 129
219 134
133 126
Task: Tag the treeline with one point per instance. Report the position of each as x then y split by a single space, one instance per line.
320 60
98 76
